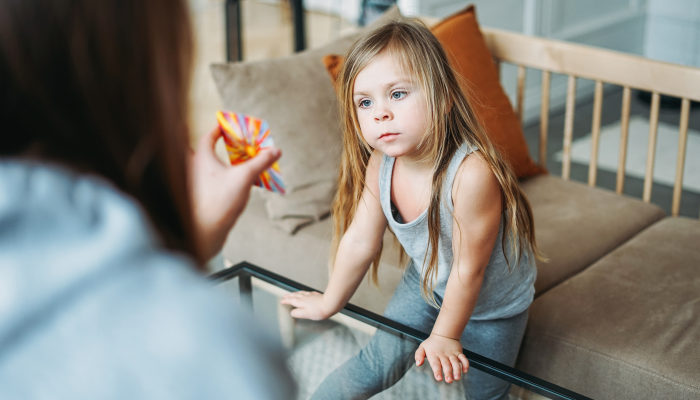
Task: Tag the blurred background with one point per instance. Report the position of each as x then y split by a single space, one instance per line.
665 30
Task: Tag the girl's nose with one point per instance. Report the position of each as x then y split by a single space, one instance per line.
382 113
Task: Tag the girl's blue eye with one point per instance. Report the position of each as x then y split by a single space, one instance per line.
398 95
365 103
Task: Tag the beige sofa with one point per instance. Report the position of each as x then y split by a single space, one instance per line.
617 308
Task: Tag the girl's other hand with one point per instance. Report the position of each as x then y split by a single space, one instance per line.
309 305
444 355
221 190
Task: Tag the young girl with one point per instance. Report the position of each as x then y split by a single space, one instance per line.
416 158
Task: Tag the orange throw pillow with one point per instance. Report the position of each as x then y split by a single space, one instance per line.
469 56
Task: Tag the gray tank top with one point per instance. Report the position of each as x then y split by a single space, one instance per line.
504 293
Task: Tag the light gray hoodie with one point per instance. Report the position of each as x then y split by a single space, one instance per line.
92 307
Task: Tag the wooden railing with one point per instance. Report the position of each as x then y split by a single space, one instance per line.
601 66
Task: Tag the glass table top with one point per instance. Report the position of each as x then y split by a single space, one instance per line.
331 356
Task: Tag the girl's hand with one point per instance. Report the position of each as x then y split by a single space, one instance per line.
221 191
309 305
443 354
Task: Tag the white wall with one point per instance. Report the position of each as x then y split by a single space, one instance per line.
613 24
667 30
673 31
348 9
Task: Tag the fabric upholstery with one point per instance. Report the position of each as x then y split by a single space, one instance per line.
468 54
628 327
575 225
293 94
304 256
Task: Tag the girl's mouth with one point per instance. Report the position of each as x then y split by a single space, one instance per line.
388 136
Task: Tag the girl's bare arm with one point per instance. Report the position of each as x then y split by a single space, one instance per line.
358 246
477 215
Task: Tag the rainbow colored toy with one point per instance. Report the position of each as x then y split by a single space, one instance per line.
245 136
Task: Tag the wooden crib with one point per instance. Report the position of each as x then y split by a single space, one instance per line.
601 66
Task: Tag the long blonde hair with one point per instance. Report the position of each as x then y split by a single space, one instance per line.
453 123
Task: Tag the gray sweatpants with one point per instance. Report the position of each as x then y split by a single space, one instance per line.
386 358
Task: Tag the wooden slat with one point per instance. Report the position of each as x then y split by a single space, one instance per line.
595 134
680 161
594 63
651 149
568 128
544 118
624 135
521 93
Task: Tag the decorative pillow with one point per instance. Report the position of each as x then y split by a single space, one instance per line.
294 95
468 54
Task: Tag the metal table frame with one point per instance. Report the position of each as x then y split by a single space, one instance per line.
245 271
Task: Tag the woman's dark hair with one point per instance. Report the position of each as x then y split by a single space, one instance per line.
102 86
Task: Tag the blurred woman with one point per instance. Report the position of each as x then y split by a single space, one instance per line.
106 215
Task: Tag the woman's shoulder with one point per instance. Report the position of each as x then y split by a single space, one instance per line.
65 231
54 209
85 266
68 238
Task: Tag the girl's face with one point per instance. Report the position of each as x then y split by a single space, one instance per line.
391 108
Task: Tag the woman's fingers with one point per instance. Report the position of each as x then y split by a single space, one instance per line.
456 368
207 143
465 363
256 165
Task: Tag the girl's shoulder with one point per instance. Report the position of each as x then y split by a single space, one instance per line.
475 182
475 170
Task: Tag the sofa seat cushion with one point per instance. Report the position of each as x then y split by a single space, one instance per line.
628 327
575 225
304 257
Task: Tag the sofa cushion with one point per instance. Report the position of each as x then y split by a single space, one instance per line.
304 256
294 95
469 55
628 327
575 225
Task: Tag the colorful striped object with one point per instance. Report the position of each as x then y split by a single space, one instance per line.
245 136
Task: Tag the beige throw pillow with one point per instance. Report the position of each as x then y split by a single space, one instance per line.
296 97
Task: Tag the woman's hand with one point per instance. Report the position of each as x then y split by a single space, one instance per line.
221 191
443 354
309 305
